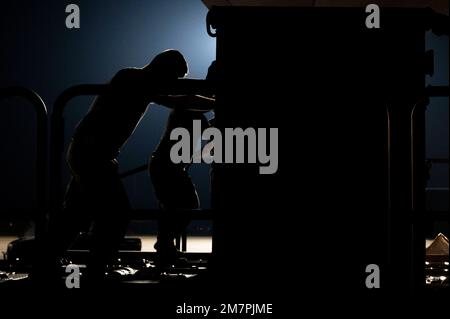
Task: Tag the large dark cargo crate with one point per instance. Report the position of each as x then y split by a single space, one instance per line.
342 96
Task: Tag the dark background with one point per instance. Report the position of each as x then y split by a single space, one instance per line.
40 53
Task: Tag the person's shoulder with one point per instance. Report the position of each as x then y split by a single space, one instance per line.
128 72
127 77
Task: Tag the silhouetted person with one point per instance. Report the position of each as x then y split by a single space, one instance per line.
95 195
172 184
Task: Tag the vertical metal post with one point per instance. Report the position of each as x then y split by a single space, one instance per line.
41 151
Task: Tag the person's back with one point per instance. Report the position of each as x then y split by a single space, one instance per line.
114 115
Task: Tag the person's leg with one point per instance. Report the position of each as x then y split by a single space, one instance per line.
63 228
172 184
66 225
183 196
109 206
175 193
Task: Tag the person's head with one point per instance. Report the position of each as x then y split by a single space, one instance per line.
169 64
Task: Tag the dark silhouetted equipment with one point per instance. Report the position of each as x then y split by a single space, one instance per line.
349 103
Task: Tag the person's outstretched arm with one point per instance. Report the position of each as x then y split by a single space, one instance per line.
187 102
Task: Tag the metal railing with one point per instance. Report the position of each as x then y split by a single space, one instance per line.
41 150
